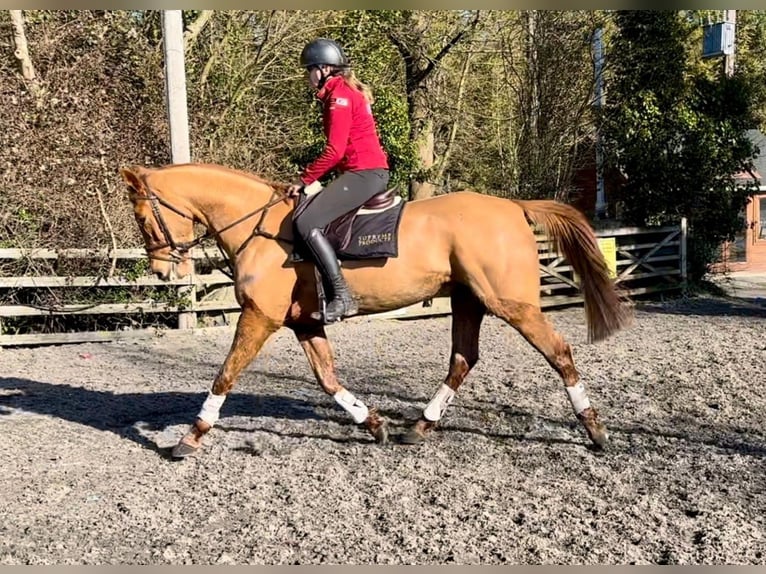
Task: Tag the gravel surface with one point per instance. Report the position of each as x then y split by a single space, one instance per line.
287 478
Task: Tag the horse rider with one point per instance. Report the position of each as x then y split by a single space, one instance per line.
353 150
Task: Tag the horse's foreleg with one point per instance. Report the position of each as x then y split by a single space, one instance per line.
467 315
535 328
253 328
313 340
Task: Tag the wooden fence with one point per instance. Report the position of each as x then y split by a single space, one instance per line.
644 260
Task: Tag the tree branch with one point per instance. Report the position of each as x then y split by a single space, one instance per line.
409 61
21 52
107 221
266 36
453 130
423 74
193 30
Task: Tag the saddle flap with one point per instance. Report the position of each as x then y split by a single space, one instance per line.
380 220
342 228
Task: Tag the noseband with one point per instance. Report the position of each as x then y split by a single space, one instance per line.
179 249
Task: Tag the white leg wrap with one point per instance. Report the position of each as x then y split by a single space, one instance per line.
211 408
578 398
353 406
439 403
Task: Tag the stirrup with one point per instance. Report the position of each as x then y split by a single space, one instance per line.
349 310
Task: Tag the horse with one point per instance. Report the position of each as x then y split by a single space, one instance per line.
478 249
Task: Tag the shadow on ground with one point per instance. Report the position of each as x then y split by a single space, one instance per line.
126 414
707 306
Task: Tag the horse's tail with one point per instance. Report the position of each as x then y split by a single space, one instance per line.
573 236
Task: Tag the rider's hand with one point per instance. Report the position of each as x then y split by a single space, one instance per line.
294 189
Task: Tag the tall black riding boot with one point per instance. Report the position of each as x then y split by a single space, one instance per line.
340 302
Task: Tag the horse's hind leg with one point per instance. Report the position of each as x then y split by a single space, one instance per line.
467 314
529 320
253 328
319 353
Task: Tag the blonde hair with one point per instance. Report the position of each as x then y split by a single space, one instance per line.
354 82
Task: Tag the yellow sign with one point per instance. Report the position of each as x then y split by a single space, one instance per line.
608 246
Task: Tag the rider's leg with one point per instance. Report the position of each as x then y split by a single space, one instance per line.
341 303
349 191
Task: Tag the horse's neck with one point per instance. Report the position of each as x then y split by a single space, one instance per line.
234 216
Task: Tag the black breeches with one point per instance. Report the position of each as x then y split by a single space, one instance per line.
345 193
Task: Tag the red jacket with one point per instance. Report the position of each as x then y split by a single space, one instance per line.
352 138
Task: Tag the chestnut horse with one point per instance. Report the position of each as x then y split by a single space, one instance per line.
479 249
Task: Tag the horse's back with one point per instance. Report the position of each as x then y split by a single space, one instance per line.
469 212
491 244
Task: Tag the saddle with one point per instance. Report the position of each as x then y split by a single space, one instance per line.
368 232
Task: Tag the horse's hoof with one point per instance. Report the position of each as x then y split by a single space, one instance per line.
598 436
599 439
377 426
381 434
418 432
412 437
182 450
596 430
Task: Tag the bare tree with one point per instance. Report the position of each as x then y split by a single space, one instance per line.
549 69
21 51
411 39
443 161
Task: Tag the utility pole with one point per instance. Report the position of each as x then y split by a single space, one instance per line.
178 118
730 16
600 101
175 85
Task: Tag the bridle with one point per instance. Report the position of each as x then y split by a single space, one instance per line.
178 249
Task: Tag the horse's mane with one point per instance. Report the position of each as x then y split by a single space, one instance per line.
276 185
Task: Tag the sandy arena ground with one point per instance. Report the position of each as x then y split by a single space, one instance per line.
287 478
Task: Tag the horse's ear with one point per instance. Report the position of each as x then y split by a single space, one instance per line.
132 178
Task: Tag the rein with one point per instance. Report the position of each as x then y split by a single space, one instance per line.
179 249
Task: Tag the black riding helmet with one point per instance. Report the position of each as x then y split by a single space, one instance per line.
323 52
